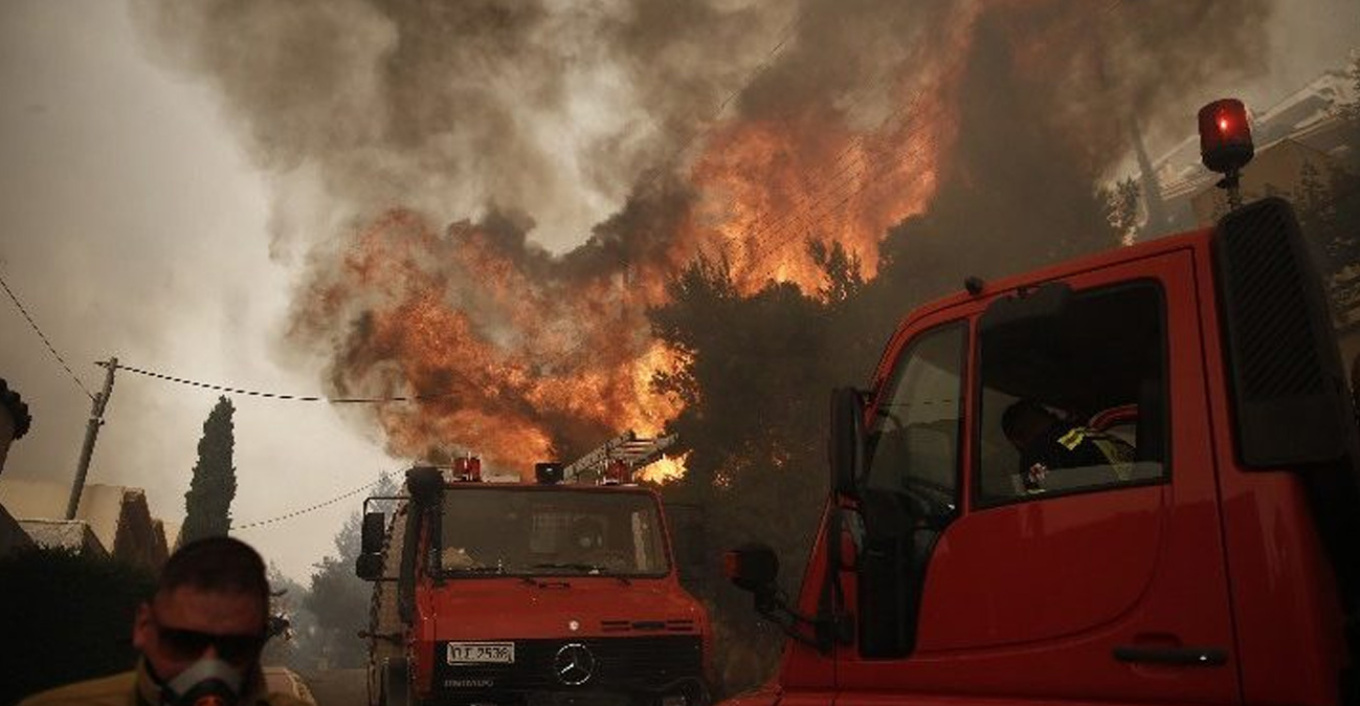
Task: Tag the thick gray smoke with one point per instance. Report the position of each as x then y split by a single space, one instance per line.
1047 108
551 108
572 125
563 111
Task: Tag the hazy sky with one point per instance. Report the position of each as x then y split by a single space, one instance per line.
133 226
134 223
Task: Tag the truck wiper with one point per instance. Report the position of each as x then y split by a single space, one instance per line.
476 570
587 568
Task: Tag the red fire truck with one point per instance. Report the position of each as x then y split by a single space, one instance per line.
553 592
1127 479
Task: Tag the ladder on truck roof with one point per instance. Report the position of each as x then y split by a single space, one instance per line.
627 448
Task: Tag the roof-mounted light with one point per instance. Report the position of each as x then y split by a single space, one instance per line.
468 469
1225 144
1225 136
548 473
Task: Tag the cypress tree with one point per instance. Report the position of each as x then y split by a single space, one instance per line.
207 505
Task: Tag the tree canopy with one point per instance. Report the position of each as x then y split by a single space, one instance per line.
338 599
67 616
207 504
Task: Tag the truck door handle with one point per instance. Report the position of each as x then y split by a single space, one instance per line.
1177 656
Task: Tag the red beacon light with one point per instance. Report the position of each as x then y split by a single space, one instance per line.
1225 136
468 469
1225 143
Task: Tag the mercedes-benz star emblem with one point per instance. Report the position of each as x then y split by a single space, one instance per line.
574 664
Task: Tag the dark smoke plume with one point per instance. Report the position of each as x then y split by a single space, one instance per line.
525 124
1045 111
446 107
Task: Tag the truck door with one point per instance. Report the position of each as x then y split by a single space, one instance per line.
1066 544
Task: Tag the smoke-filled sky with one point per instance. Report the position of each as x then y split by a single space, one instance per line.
358 197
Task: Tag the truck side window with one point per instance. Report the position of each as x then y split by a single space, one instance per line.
910 492
914 436
1075 401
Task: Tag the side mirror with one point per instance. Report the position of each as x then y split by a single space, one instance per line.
845 441
369 567
426 485
850 529
754 568
372 532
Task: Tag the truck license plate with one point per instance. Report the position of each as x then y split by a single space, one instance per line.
481 652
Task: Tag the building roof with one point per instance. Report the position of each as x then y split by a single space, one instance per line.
1278 169
118 516
10 400
1309 116
12 535
66 534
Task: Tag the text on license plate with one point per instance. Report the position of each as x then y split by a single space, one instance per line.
480 652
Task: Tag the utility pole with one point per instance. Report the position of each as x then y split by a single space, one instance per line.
100 401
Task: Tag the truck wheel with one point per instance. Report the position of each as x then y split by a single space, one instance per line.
396 683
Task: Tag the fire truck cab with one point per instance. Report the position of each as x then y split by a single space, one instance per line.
1126 479
544 592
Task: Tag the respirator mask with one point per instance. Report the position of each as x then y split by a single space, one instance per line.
209 682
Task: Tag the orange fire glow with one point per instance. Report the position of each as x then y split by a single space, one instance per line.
668 468
505 359
522 359
770 186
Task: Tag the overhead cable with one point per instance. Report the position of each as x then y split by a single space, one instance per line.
43 336
279 395
305 510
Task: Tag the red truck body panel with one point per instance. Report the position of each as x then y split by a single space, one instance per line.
544 610
1275 556
1029 601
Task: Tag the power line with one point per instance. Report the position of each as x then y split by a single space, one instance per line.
806 212
305 510
842 165
809 211
43 336
789 31
278 395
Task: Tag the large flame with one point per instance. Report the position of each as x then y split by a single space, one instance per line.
506 361
770 186
529 357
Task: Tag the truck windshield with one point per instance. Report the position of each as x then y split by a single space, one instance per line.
533 532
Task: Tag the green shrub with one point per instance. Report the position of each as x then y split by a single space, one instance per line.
66 617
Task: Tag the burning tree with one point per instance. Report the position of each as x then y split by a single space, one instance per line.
754 389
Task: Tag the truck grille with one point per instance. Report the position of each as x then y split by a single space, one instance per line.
647 663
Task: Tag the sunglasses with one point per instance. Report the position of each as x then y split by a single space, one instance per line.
190 644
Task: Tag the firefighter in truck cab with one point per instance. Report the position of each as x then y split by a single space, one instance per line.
1046 442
